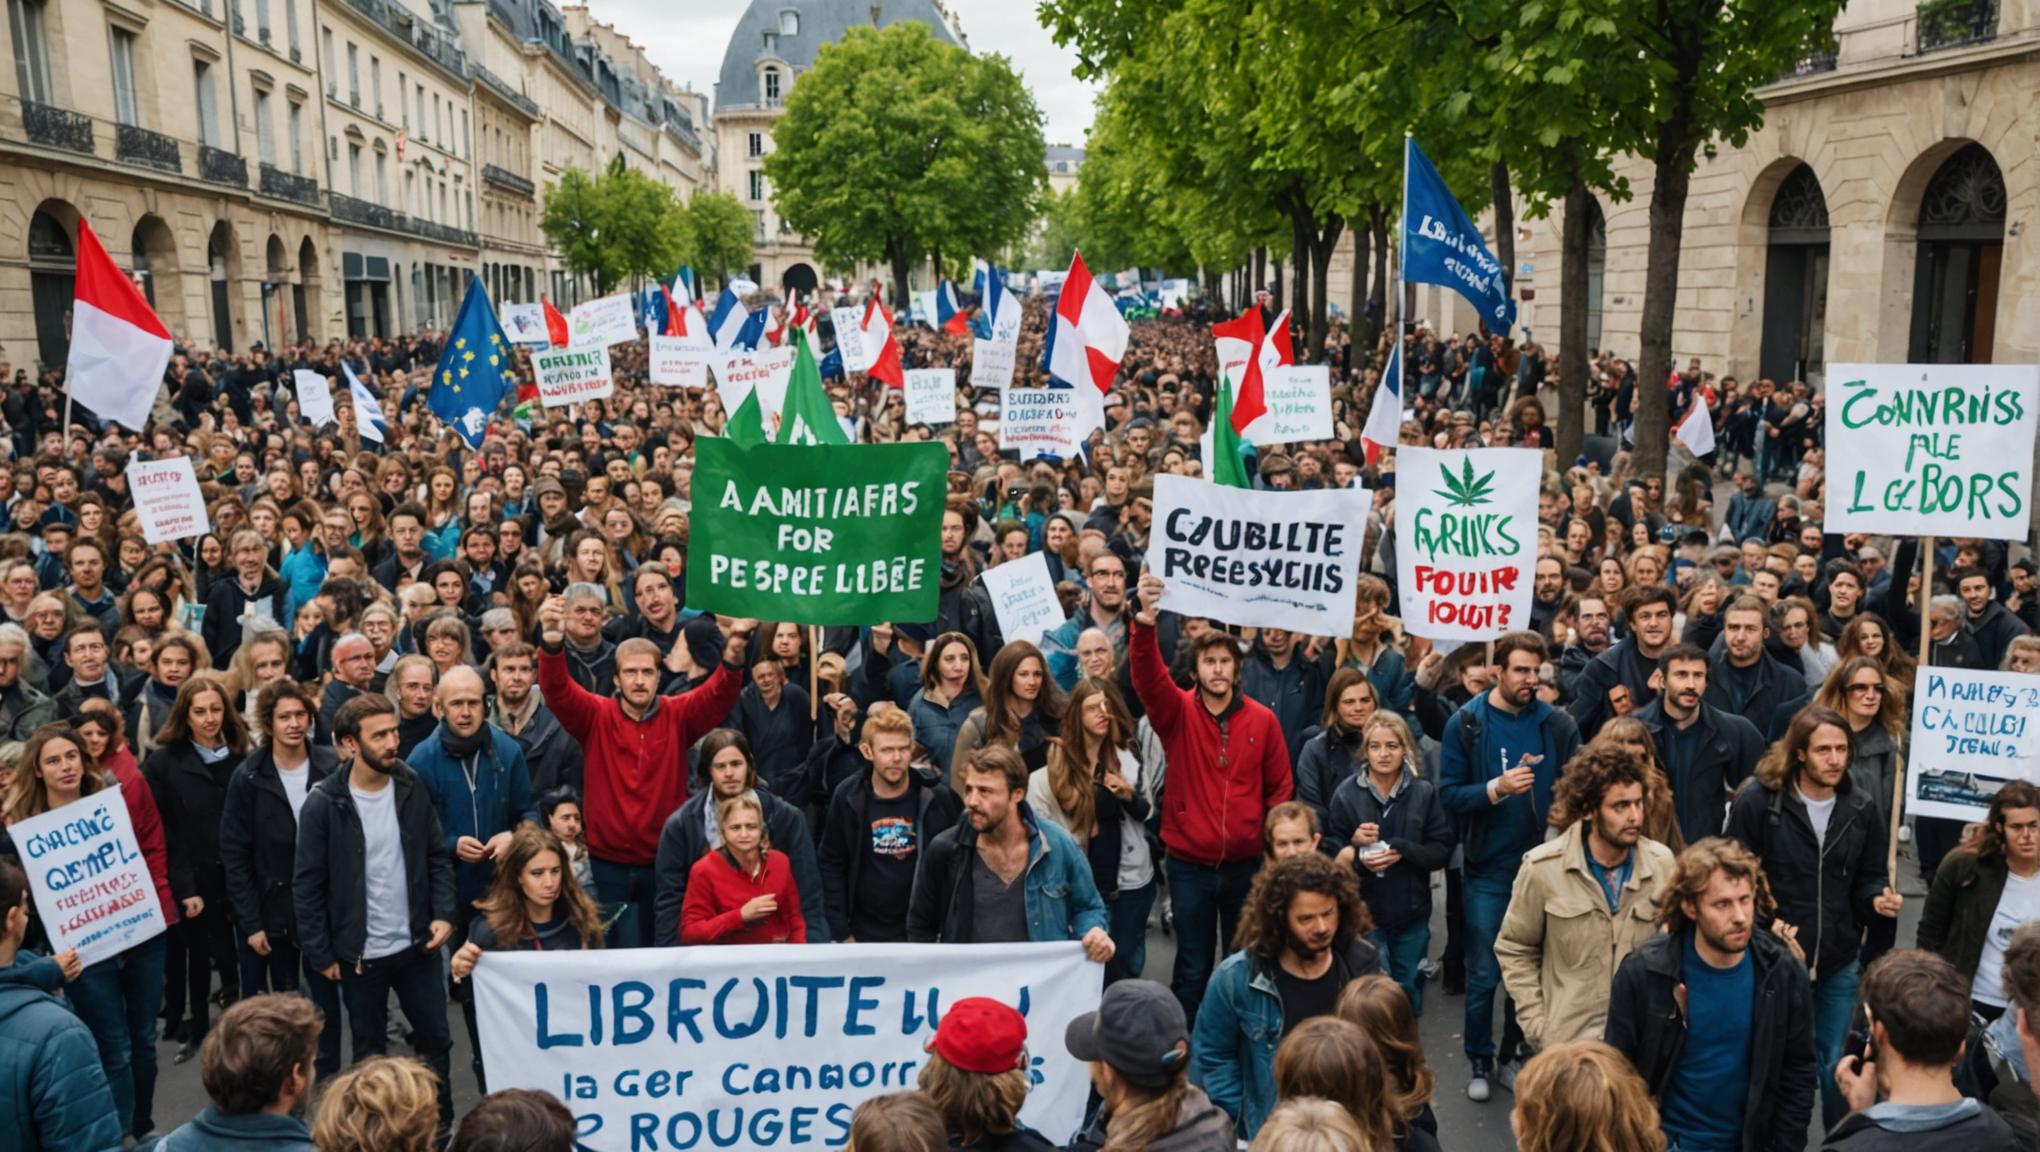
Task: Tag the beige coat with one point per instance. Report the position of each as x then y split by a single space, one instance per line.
1559 945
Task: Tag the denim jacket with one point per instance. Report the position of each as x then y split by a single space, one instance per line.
1062 900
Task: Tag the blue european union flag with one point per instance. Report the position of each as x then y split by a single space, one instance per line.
469 383
1441 246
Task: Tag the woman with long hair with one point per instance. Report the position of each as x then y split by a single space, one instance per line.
1137 1045
442 513
742 892
976 1076
1863 693
263 658
1701 606
1382 1010
952 689
448 642
1332 757
1795 627
371 534
625 535
1981 894
1660 814
1022 706
528 590
588 560
1094 786
534 903
1866 634
1584 1096
1334 1059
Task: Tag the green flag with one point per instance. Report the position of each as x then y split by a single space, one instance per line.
807 417
746 425
1226 466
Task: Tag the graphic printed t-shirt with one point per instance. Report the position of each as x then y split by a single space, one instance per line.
885 879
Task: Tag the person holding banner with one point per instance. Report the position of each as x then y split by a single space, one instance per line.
534 902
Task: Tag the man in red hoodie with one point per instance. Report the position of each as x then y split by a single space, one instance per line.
1228 765
635 746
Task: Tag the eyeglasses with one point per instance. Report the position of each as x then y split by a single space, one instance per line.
1858 689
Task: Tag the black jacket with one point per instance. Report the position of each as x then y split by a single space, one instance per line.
1646 1024
220 627
1960 906
1770 685
1726 752
337 692
1987 1131
966 607
846 837
1323 763
330 880
258 843
1823 888
1994 630
1413 823
780 740
191 795
1620 664
550 755
684 839
593 668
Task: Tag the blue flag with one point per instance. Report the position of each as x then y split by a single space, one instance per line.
469 382
1441 246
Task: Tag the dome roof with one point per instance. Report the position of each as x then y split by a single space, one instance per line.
817 22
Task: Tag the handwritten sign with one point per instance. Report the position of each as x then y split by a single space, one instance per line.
1041 422
1299 399
93 890
1023 598
768 370
1971 732
525 324
992 362
571 375
167 498
601 322
931 396
1466 539
1256 558
1931 449
680 361
849 322
662 1048
314 397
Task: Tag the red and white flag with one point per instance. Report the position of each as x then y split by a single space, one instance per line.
1090 340
119 347
555 325
878 333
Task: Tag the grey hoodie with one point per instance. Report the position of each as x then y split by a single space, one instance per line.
1204 1127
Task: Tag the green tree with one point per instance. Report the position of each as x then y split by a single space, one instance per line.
620 226
723 230
897 145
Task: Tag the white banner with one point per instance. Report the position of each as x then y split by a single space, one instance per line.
850 339
571 375
1041 422
600 322
992 362
1931 449
1971 732
1466 539
525 324
92 887
764 1046
167 498
1299 399
314 397
1259 559
1023 598
769 370
680 361
931 396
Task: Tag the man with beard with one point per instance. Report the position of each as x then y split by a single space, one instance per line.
374 890
1547 594
1582 901
1707 753
655 614
410 685
1717 1016
550 756
1303 932
1743 678
964 605
1591 624
877 825
1002 876
1990 621
1624 678
1104 608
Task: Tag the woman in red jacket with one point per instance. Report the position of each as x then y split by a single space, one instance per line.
743 892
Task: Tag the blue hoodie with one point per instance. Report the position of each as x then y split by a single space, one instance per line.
1497 835
216 1131
51 1081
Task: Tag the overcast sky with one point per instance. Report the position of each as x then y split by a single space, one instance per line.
687 42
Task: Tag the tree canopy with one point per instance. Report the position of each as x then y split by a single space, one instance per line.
722 230
617 227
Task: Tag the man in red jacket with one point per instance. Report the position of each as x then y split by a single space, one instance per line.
1228 765
634 746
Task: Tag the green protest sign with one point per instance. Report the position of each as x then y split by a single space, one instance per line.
817 534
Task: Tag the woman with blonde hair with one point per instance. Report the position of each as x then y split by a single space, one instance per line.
1332 1058
260 659
383 1104
742 892
1382 1010
1583 1096
1311 1124
1660 815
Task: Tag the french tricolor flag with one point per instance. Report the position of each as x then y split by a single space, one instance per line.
1384 419
732 327
949 315
119 347
1089 340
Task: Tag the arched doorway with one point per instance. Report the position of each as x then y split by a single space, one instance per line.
1795 280
52 276
1961 247
222 259
155 265
306 291
799 278
275 293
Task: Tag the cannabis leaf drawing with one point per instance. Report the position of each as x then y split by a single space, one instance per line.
1466 490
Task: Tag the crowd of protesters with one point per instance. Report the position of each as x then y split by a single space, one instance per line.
408 704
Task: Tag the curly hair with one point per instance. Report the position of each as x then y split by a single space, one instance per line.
1696 868
383 1104
1264 921
1584 1096
1587 777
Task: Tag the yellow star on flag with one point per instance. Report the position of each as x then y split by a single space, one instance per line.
446 377
460 343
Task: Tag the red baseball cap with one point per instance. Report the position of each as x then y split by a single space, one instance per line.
979 1034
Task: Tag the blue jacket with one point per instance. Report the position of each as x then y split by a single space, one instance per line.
1471 752
215 1131
302 572
1239 1025
1062 899
1295 693
50 1076
1395 686
935 727
500 798
1749 519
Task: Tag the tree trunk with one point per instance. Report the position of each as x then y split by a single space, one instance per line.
1505 224
1321 248
1570 420
898 258
1379 296
1671 180
1363 346
1275 289
1260 272
1302 256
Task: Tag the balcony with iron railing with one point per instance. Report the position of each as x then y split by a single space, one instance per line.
1813 63
400 23
288 186
508 180
502 88
221 167
349 210
57 127
1956 24
135 145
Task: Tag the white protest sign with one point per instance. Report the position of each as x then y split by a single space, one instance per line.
1260 559
1041 422
764 1046
931 396
1299 400
1931 449
571 375
680 361
314 397
167 498
1023 598
1971 732
600 322
849 324
92 886
769 370
525 324
1466 539
992 362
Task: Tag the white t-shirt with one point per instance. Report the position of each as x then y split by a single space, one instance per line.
1820 812
295 782
389 890
2019 903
